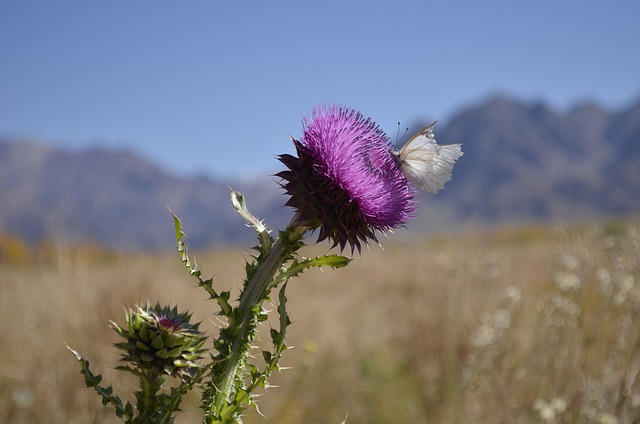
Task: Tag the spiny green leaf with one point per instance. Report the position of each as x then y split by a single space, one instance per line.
223 302
125 346
284 317
255 372
299 266
122 332
275 336
106 393
127 369
178 227
242 396
181 238
193 268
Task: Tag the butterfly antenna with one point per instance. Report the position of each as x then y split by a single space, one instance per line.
399 139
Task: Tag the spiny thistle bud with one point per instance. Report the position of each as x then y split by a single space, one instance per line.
160 340
345 180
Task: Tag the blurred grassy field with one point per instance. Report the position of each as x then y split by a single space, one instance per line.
530 324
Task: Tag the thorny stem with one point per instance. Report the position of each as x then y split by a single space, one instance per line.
254 293
148 407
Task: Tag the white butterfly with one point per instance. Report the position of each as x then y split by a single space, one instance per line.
425 163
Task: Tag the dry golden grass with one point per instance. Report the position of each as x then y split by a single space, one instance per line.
522 325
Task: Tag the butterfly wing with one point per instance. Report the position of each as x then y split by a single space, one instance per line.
427 164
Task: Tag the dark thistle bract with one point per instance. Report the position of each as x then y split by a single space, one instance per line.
344 183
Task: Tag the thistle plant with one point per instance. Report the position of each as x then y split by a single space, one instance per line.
159 343
346 184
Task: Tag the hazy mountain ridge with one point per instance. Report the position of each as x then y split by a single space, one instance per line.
111 197
521 161
528 161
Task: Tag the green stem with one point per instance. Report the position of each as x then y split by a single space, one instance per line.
254 293
148 407
250 297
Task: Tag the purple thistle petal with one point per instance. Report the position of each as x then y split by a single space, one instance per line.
345 180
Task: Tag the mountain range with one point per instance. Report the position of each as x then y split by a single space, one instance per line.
522 161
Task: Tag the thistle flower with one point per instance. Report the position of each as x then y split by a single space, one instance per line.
161 340
345 180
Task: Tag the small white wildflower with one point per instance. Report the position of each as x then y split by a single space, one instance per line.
570 262
549 410
547 413
605 418
626 282
559 405
513 293
567 281
502 319
620 298
484 336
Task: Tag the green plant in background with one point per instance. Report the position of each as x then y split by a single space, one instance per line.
348 183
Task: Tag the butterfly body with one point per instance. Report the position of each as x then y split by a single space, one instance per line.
424 162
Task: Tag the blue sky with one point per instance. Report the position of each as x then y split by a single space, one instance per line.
216 87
